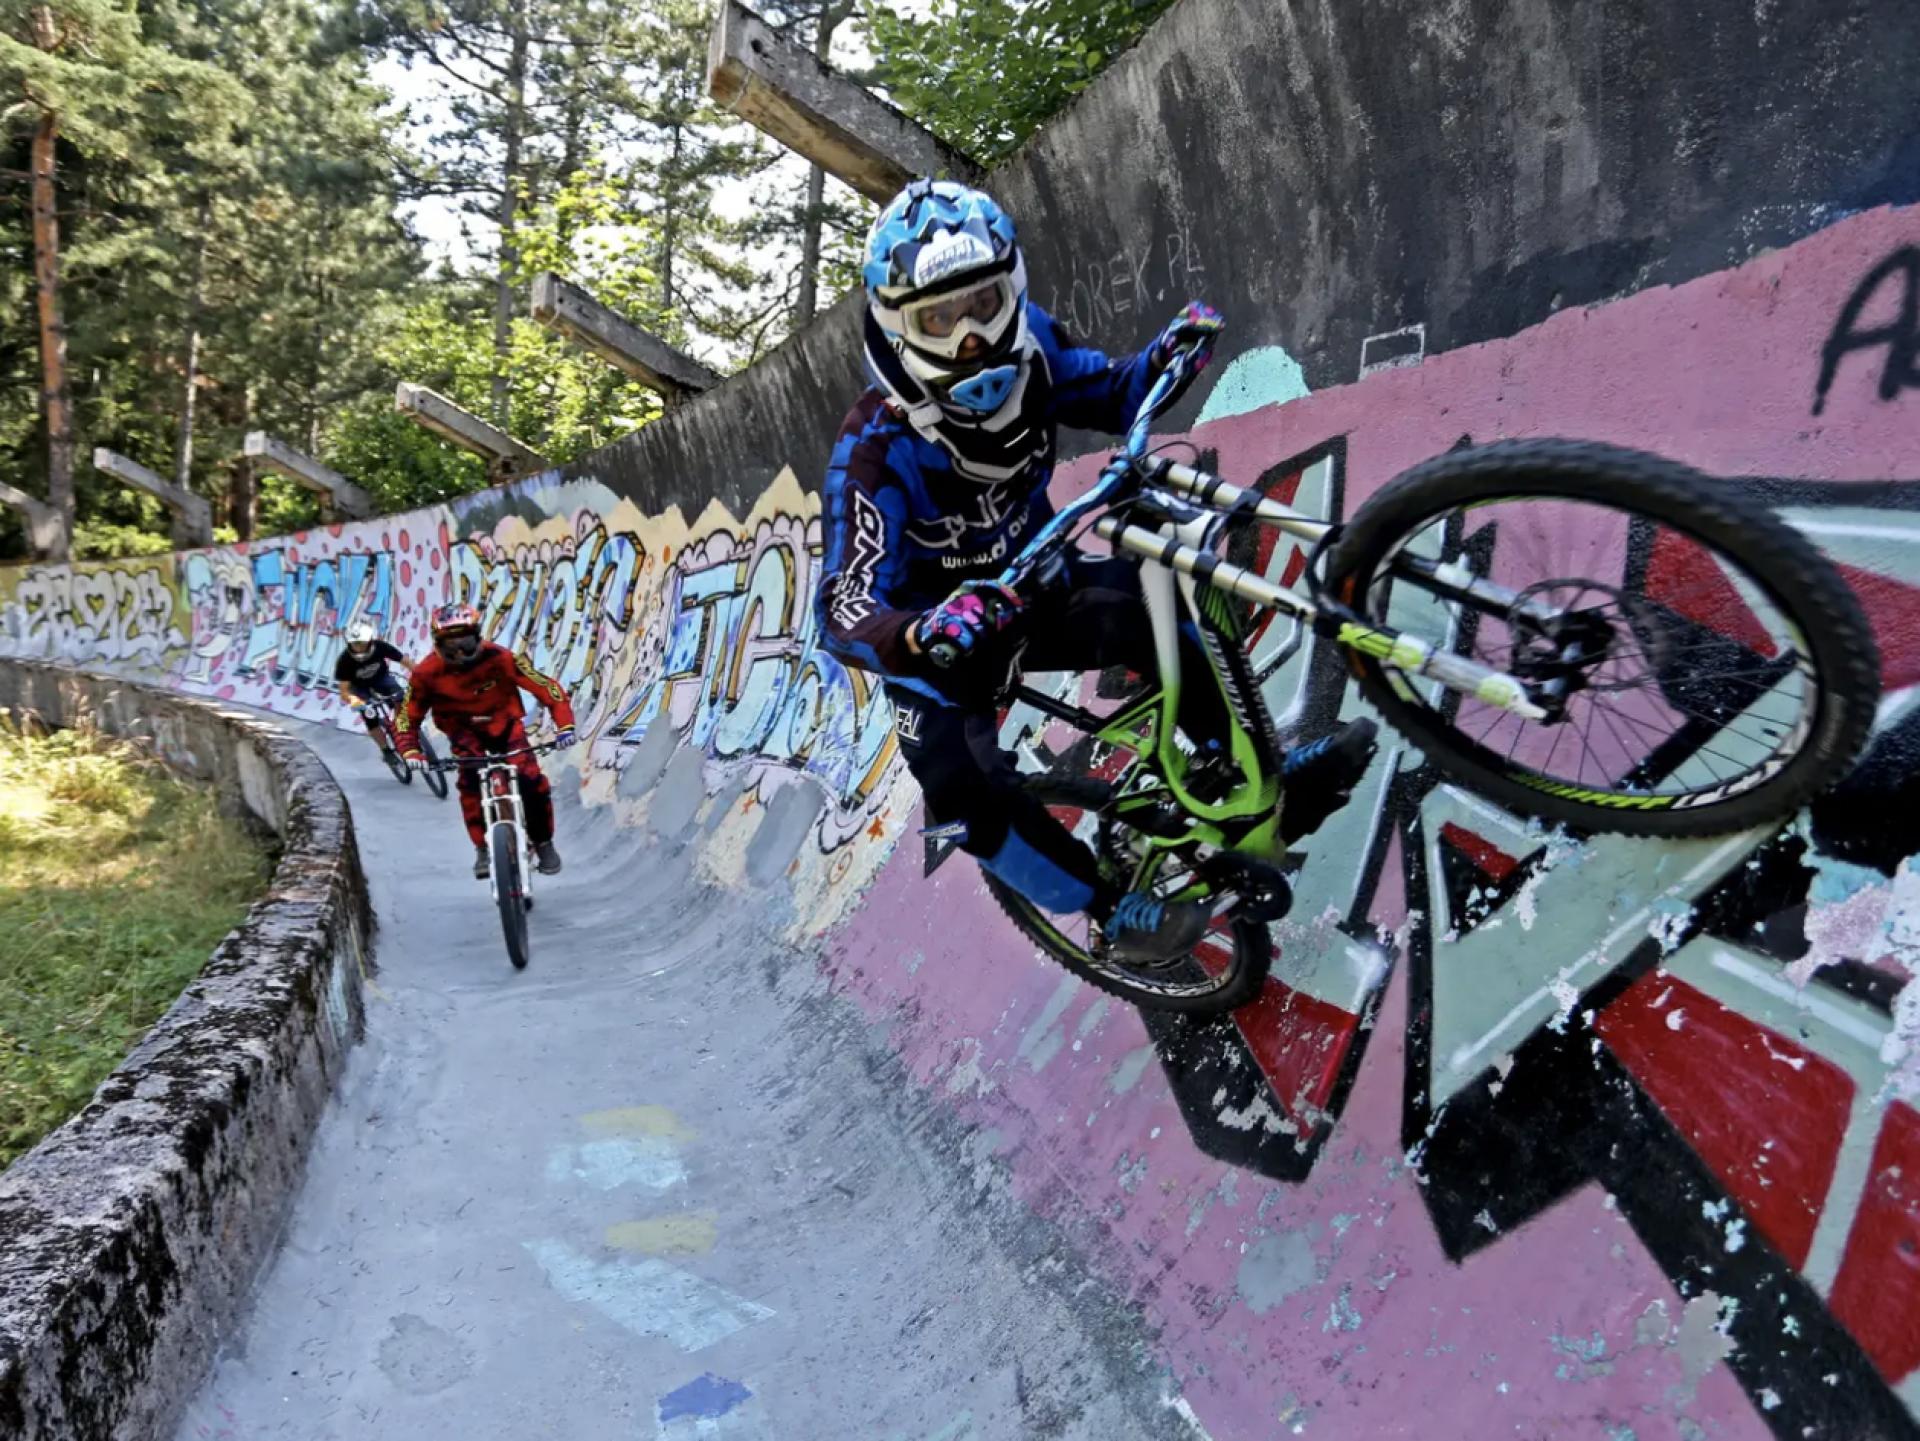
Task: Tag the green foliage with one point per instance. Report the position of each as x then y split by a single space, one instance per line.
232 188
985 74
116 882
105 540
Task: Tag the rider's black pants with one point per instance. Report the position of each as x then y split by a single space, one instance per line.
969 783
387 688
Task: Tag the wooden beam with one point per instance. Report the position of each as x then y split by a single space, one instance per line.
340 498
46 534
563 306
782 89
192 514
506 458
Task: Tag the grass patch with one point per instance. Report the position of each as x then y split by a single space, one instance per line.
116 882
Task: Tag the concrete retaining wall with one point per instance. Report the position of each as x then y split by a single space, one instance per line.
129 1237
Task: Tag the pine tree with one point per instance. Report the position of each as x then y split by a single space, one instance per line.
83 76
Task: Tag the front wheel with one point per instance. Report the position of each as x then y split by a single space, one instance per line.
1703 666
402 772
436 778
510 892
1225 971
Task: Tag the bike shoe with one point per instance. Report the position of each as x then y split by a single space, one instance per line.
1318 778
1143 928
548 857
481 868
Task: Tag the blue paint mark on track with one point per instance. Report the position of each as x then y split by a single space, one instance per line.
704 1397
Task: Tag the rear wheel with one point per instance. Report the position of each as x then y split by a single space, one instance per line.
1705 668
1226 970
509 889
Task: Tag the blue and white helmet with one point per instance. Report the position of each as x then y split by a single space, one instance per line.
947 292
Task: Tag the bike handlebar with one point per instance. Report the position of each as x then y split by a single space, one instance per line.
454 763
1115 477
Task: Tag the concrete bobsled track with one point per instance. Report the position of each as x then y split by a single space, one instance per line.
786 1135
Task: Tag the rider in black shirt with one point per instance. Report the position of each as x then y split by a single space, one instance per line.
363 670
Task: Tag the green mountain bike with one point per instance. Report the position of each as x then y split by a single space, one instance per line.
1597 637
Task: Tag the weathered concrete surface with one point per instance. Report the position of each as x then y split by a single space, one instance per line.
563 306
548 1203
129 1236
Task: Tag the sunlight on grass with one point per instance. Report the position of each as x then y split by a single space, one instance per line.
116 881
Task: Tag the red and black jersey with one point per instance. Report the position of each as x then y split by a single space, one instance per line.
484 696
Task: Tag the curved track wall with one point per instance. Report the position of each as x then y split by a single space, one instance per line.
1608 1138
130 1235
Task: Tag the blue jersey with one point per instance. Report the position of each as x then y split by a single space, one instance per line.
902 528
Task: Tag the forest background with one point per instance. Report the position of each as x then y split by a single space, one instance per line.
220 216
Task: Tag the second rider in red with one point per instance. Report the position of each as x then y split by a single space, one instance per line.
472 688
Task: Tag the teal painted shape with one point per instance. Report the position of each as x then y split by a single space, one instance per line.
1264 376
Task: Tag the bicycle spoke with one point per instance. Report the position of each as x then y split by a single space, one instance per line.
1675 650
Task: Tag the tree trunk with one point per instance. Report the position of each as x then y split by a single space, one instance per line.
573 145
240 489
671 210
183 447
509 202
56 399
807 299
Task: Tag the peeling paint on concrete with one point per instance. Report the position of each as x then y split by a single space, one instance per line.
1278 1265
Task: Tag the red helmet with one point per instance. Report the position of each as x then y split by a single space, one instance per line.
456 633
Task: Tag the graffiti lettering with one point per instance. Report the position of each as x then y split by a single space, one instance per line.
1900 336
567 608
301 609
739 674
110 614
1132 279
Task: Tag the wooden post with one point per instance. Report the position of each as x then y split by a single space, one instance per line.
340 498
565 307
506 458
781 88
46 533
192 515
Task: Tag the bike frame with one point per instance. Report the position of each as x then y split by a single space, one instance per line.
1183 575
500 806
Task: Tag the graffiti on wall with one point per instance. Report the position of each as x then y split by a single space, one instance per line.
1719 1032
729 664
115 612
565 601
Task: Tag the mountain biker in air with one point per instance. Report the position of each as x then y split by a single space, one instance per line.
364 672
472 689
938 477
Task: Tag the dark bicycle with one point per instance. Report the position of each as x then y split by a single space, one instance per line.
384 735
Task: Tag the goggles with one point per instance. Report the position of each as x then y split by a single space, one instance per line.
940 324
458 644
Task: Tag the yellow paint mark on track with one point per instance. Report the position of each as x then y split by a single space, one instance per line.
636 1121
691 1234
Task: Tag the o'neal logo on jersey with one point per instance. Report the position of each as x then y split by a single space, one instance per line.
853 590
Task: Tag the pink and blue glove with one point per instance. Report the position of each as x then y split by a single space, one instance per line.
962 623
1198 324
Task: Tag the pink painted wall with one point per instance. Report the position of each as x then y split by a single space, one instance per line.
1337 1299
